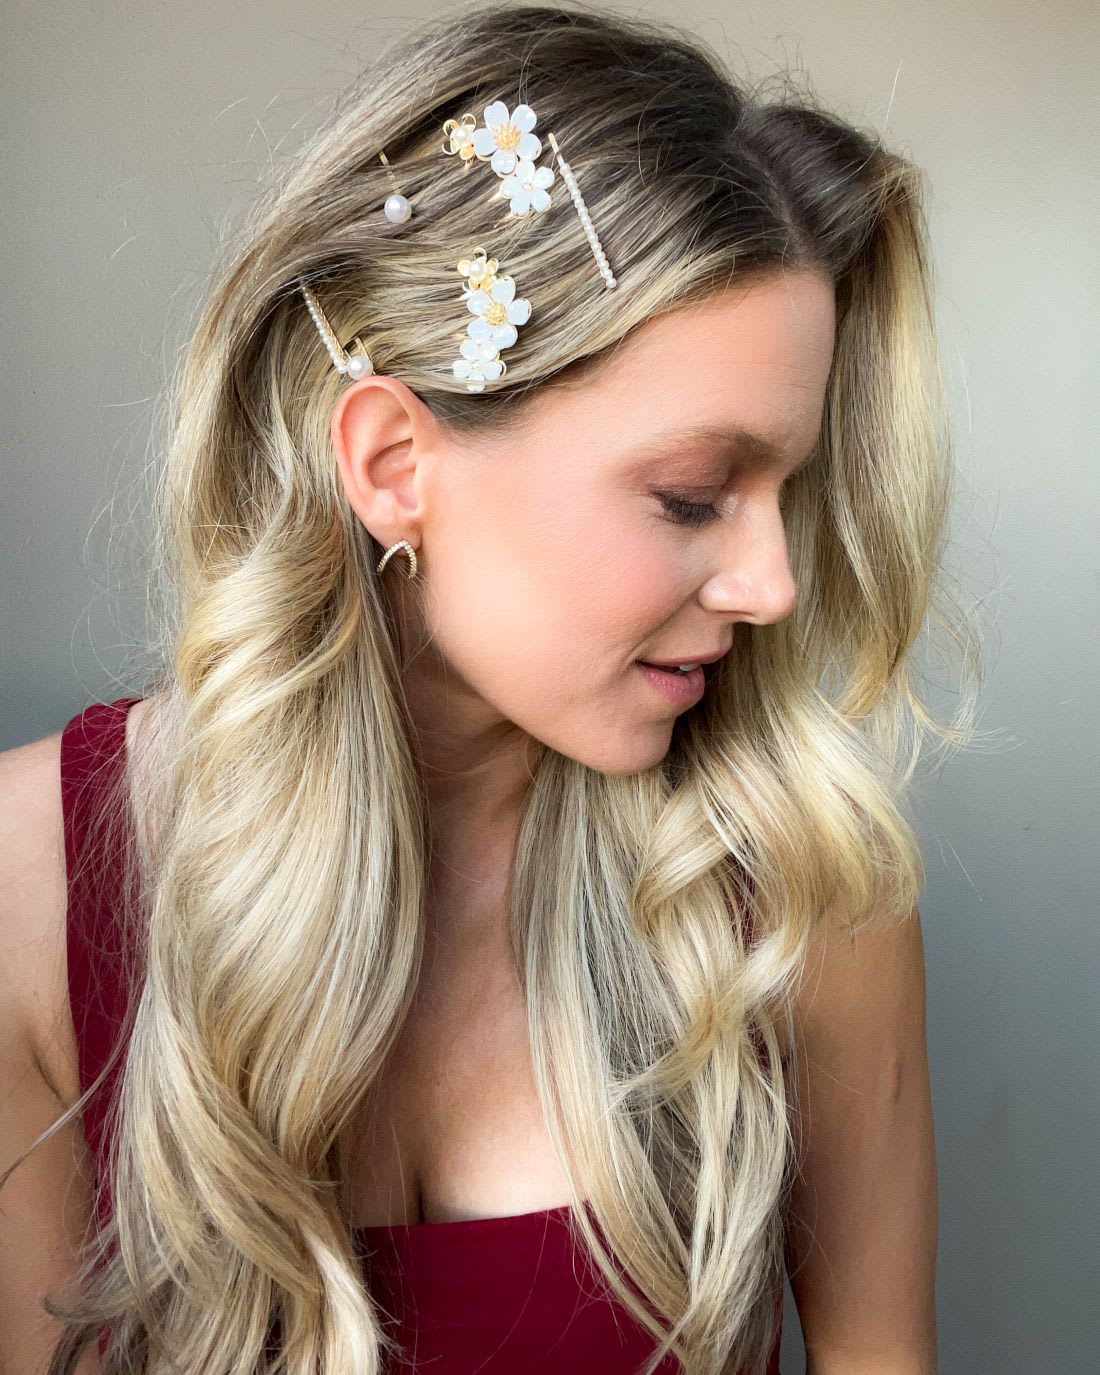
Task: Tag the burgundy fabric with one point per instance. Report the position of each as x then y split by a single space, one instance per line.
488 1295
92 750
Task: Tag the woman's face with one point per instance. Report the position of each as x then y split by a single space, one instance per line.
630 522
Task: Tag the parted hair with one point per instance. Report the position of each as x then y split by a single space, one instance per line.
659 921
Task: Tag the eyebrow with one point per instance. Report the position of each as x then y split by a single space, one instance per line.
757 449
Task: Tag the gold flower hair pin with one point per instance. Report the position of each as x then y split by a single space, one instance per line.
508 143
491 299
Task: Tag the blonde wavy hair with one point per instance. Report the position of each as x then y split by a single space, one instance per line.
280 824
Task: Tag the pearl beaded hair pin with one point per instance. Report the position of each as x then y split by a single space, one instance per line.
354 365
507 141
570 180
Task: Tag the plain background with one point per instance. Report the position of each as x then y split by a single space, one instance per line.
132 131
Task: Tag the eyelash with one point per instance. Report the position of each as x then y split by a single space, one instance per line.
693 513
687 512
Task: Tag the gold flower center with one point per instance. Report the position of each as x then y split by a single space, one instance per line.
496 314
506 135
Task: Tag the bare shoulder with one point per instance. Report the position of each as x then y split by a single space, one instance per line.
33 991
35 1018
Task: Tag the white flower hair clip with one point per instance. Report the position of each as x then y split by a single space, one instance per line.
507 137
491 298
509 145
528 188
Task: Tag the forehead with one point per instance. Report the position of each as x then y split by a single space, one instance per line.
749 364
764 348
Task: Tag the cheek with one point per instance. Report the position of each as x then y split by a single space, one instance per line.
551 597
591 589
628 590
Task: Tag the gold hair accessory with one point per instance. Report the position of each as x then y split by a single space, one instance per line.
354 365
507 141
510 145
491 299
570 179
396 208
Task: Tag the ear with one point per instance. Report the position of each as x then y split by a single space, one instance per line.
381 432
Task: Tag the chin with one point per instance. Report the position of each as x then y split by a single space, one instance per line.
643 750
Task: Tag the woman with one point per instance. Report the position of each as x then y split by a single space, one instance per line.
473 989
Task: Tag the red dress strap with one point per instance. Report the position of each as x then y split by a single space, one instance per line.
93 755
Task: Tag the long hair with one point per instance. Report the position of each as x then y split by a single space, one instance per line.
659 921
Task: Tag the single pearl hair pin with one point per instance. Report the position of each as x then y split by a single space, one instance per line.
397 208
582 210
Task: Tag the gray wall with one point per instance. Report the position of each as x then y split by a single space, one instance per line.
130 131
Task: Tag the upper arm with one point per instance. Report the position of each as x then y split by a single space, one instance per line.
45 1202
862 1223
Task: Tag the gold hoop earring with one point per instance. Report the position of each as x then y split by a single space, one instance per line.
405 548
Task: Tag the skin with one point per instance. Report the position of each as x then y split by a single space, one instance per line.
550 564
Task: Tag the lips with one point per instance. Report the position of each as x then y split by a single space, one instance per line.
709 670
691 658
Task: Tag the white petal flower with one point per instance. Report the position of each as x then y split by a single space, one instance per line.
479 364
498 313
477 351
507 137
527 187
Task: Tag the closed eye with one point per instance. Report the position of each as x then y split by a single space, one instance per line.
702 513
687 512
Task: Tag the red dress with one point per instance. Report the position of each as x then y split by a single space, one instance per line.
491 1295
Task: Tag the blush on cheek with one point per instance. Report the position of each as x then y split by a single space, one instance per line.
640 589
572 595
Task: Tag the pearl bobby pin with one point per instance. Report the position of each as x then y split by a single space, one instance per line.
353 365
570 180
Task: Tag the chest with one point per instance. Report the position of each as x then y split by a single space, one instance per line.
455 1129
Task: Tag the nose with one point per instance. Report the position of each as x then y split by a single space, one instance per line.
753 580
